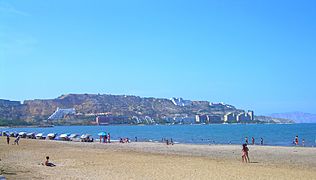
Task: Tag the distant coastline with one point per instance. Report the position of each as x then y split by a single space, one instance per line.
89 109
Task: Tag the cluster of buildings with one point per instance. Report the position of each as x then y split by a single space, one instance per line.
232 117
108 118
198 119
239 117
180 102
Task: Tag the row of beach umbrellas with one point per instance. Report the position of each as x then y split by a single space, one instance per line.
64 136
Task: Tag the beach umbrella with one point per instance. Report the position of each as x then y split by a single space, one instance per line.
73 135
13 134
39 135
84 136
22 133
51 135
30 134
64 135
102 134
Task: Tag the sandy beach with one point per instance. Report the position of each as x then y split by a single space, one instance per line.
75 160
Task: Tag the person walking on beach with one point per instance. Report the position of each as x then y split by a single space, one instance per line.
296 140
253 141
246 140
261 142
8 139
245 157
16 141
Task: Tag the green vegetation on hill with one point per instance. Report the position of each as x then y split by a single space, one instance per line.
5 122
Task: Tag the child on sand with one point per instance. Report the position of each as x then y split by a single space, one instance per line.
245 157
47 163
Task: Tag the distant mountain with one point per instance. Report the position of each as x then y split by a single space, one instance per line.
269 119
298 117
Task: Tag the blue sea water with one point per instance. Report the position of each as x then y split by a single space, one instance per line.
273 134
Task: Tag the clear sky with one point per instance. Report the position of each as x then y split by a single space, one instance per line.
258 55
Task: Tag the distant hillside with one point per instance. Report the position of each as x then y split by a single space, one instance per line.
298 117
130 108
268 119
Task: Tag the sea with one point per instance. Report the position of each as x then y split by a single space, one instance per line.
272 134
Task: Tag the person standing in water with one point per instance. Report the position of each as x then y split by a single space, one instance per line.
261 141
296 140
246 140
253 141
109 138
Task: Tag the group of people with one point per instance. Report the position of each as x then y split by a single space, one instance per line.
245 149
106 138
253 141
125 140
16 141
296 141
167 141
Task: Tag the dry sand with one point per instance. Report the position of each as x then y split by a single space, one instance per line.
152 161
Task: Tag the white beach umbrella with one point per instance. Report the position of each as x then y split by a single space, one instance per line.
39 135
84 136
73 135
64 135
22 133
51 135
30 134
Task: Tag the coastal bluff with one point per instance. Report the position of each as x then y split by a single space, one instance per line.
129 109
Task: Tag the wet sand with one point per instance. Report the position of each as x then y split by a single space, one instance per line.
75 160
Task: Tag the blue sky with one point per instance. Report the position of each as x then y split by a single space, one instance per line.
258 55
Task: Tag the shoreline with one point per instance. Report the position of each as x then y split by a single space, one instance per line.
148 160
184 143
